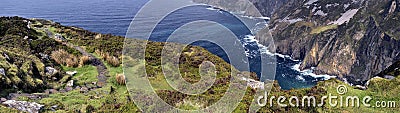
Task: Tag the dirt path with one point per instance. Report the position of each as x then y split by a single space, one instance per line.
101 67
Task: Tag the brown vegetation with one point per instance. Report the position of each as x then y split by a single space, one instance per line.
120 79
84 60
112 60
64 58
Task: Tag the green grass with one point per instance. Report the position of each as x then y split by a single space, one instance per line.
41 33
111 69
101 99
379 90
52 29
7 110
75 100
85 74
98 98
321 29
160 83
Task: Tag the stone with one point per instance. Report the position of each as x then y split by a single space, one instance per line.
3 100
47 91
31 107
84 90
97 36
70 83
44 56
59 37
51 71
360 87
53 108
68 89
393 7
72 73
53 91
62 91
389 77
6 56
2 72
77 87
90 86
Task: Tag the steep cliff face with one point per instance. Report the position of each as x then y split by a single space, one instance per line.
353 39
265 7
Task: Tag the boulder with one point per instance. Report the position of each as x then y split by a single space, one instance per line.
30 107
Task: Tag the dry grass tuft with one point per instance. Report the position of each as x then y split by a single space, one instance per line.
84 60
110 59
113 61
120 79
64 58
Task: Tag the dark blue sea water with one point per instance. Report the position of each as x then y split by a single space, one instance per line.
114 17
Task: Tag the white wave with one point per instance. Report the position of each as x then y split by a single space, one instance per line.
264 50
309 72
250 38
244 16
212 8
265 18
300 78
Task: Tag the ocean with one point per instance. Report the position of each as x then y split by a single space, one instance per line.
115 16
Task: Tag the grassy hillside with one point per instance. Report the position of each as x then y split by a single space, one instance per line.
26 71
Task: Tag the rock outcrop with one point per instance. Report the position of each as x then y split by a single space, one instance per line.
353 40
30 107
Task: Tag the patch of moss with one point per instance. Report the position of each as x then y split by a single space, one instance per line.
321 29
